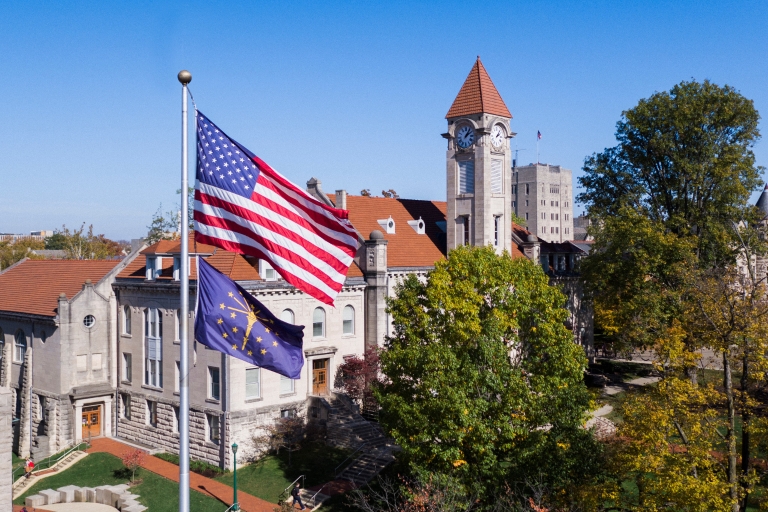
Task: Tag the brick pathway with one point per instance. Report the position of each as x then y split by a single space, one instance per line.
197 482
17 508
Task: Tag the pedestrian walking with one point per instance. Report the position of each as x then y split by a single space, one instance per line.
29 465
296 497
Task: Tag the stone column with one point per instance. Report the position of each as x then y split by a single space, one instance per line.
374 267
6 444
25 443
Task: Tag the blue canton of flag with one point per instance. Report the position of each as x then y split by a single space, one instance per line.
232 321
222 162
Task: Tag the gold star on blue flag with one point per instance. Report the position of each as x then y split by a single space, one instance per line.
232 321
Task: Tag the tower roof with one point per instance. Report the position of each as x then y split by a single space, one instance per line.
762 202
478 95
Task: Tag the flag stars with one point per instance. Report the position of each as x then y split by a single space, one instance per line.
221 306
258 339
250 353
263 351
233 315
220 321
225 335
274 343
234 347
231 294
234 329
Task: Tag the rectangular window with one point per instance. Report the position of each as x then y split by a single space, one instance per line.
267 272
527 189
176 419
126 320
496 225
214 435
214 384
465 226
467 177
286 385
177 326
526 215
127 367
151 413
153 328
177 377
125 403
287 413
497 176
253 383
526 202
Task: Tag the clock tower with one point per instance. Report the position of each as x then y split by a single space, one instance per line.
479 165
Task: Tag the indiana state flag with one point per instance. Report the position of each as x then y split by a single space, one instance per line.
230 320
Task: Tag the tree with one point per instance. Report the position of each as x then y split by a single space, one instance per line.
164 226
482 379
684 160
80 244
390 193
14 251
132 460
357 376
366 192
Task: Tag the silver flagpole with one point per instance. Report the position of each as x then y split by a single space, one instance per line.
184 77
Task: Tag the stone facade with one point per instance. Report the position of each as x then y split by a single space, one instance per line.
6 446
542 194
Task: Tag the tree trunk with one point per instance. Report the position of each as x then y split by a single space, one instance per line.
730 438
745 437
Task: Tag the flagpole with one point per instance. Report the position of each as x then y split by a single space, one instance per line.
184 77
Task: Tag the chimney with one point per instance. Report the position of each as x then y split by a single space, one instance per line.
341 199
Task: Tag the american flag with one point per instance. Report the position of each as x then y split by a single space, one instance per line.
245 206
538 135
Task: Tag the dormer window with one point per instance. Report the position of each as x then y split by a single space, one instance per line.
418 226
266 271
388 225
154 267
177 267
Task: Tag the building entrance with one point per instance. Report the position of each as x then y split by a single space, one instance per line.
320 377
91 421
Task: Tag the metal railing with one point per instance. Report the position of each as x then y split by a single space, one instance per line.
283 495
336 469
49 462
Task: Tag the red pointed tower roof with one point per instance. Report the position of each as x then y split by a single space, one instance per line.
478 95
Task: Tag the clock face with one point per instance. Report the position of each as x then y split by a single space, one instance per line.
497 136
465 137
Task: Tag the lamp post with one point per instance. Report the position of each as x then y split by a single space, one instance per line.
235 504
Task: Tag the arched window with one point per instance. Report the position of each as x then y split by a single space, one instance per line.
287 316
126 319
318 323
19 347
348 320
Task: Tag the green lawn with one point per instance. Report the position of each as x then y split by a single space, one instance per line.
269 476
157 493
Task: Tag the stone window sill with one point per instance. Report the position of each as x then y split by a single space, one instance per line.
288 394
255 399
126 382
213 401
152 388
124 335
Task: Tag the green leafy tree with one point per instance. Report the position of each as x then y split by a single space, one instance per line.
684 160
14 251
80 244
164 226
483 380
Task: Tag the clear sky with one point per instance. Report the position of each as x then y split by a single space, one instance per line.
352 93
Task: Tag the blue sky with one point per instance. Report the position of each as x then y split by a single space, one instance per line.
352 93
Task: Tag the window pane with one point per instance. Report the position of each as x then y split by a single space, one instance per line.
496 176
127 319
286 385
348 320
467 177
287 316
214 378
252 383
318 322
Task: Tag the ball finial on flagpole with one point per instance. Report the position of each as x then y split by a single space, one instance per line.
185 77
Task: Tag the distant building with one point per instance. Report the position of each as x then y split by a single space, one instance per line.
580 225
542 195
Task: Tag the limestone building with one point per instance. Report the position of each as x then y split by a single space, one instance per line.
542 194
103 358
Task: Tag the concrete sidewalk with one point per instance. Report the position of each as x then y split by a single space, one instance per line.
197 482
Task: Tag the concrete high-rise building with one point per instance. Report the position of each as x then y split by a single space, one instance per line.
542 194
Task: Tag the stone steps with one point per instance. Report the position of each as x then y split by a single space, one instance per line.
308 501
23 483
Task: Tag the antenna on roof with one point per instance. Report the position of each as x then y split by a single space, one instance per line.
514 161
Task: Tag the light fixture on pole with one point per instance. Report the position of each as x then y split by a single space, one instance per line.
235 504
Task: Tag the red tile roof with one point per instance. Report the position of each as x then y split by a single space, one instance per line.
406 248
33 286
478 95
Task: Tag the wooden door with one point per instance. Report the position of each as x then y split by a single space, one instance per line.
320 377
91 421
